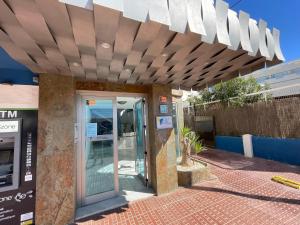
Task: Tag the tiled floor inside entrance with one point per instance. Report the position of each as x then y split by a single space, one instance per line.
131 185
242 194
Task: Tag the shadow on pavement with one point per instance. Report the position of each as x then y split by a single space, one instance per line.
245 195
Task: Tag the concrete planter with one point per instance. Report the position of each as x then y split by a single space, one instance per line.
188 176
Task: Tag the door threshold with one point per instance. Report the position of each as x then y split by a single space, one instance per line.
100 207
112 203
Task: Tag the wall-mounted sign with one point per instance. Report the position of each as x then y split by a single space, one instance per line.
163 99
163 109
164 122
7 126
91 130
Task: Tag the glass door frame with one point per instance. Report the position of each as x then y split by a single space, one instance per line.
82 199
143 103
79 136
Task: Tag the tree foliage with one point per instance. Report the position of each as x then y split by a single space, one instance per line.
232 92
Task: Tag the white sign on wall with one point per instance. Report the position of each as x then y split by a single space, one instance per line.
9 126
164 122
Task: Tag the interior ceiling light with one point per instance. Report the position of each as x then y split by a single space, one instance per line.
75 64
122 102
164 55
105 45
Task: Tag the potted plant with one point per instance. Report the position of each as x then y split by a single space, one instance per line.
190 141
191 171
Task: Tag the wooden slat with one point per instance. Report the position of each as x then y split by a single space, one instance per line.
83 29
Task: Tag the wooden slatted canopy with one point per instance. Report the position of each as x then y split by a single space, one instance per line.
122 43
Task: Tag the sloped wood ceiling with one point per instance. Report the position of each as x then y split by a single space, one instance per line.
102 43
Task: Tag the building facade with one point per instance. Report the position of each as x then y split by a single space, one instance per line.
283 78
106 71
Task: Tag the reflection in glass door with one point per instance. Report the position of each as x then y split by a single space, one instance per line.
140 139
99 178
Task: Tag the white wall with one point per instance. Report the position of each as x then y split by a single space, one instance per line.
19 96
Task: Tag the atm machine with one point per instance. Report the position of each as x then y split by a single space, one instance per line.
18 144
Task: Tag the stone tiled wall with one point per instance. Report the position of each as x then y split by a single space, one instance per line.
56 154
162 145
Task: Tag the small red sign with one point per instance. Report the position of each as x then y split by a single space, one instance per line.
163 99
91 102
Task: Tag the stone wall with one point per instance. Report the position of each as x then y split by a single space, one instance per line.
276 118
162 145
56 155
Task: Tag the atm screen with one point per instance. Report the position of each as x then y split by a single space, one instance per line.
6 160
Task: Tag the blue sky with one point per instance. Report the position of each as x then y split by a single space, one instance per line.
282 14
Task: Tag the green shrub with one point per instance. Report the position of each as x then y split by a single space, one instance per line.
233 92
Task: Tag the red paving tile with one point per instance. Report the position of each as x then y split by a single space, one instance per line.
242 194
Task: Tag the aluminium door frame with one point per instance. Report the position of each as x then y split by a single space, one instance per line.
80 94
143 104
82 199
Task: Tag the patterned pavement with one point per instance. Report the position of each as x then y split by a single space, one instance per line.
242 194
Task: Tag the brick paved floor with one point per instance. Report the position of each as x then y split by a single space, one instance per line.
243 194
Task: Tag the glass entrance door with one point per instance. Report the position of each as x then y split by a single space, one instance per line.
99 132
140 128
